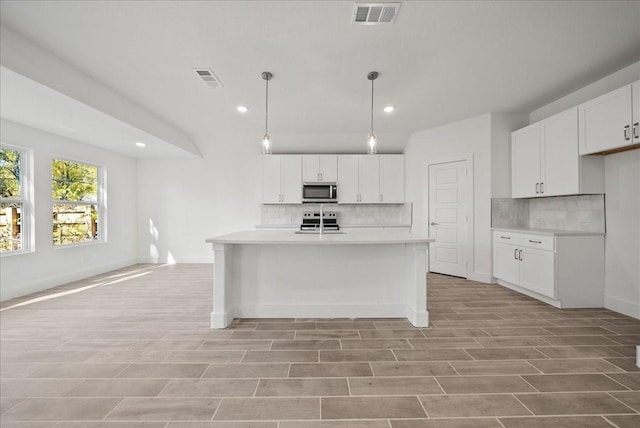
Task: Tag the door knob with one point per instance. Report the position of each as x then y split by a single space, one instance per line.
433 223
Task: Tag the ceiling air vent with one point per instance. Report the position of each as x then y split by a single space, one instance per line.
375 13
208 77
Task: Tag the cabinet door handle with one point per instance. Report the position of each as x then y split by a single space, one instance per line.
626 132
505 237
381 197
538 188
433 223
635 130
541 187
535 242
515 254
520 255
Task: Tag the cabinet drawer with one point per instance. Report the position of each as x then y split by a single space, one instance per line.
506 237
540 242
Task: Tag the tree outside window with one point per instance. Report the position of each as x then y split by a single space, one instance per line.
12 200
77 208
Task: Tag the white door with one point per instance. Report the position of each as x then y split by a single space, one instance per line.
448 218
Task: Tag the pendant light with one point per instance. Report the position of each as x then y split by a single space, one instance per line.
372 140
266 138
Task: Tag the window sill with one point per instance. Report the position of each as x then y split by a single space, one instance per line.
79 244
16 253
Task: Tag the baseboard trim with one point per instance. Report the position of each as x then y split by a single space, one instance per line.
164 261
622 306
8 293
545 299
480 277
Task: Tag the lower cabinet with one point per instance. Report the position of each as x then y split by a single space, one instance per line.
564 269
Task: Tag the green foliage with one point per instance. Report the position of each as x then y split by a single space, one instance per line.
9 173
77 182
74 181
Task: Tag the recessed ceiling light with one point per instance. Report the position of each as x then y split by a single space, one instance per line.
141 144
242 109
389 109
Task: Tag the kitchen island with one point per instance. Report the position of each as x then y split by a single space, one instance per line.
283 274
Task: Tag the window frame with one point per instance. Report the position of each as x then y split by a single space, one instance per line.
27 221
99 202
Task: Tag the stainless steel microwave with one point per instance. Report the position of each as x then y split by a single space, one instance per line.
319 192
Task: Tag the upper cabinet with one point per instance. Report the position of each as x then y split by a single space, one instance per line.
370 179
392 179
319 168
545 160
610 122
282 179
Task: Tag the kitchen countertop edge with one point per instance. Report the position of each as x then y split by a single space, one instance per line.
286 237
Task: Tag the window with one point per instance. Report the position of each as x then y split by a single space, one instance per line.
15 200
77 202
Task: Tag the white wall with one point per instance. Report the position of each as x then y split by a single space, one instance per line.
613 81
485 138
48 266
183 202
622 243
455 140
502 125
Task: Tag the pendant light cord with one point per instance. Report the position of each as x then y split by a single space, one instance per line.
266 109
372 106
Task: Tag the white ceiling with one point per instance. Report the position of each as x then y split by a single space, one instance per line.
438 63
24 101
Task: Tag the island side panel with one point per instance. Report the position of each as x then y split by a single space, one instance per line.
222 314
321 281
417 313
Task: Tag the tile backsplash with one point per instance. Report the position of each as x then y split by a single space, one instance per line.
349 215
582 212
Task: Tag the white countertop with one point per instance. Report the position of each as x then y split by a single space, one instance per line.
550 232
353 237
342 226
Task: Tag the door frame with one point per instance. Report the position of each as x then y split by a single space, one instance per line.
468 187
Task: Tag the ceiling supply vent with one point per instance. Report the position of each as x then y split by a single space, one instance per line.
375 13
208 77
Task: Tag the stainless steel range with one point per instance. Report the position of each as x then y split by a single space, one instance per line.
311 220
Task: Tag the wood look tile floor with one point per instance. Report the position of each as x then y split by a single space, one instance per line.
133 348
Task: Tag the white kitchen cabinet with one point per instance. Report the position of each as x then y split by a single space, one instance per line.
545 160
525 161
563 269
358 179
370 179
610 122
506 264
319 168
281 179
392 179
348 182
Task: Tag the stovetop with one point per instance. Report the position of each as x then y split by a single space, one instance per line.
311 220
